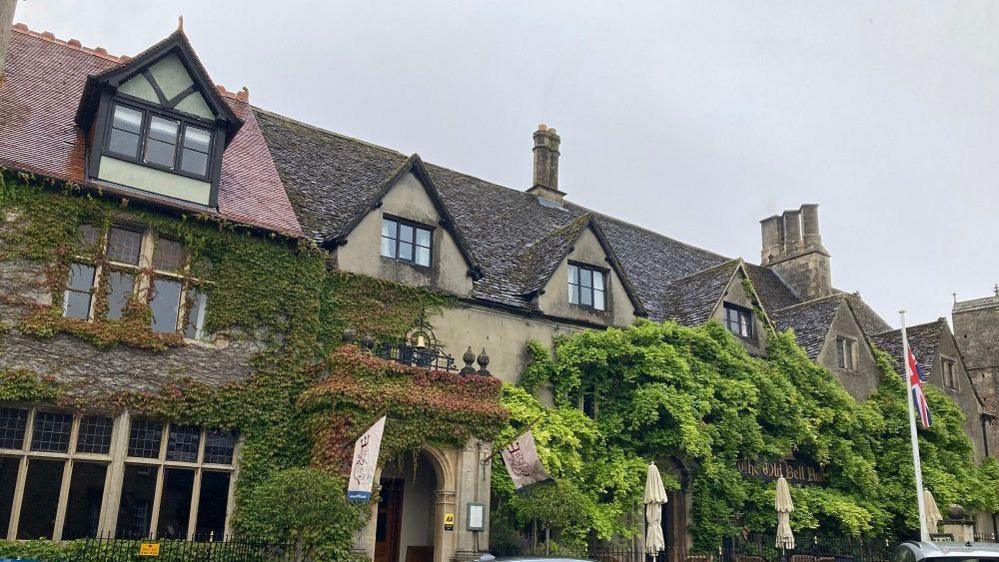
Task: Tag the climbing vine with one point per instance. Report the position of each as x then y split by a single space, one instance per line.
694 399
273 290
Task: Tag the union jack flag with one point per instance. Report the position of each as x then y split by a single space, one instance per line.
915 374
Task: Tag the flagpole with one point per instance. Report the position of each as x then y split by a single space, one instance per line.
924 533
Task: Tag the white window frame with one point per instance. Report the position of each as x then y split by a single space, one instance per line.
142 275
116 460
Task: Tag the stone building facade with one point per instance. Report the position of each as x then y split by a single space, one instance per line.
517 265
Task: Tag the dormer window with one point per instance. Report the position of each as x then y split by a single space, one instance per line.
739 320
587 287
158 127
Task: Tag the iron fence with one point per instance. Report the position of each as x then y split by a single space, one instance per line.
422 357
175 550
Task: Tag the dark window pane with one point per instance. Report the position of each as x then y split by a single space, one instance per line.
182 444
405 251
124 245
175 504
168 255
405 233
161 142
194 162
81 277
136 508
51 432
41 492
165 305
120 289
212 504
89 235
8 478
94 435
125 127
195 314
144 438
83 509
219 446
13 422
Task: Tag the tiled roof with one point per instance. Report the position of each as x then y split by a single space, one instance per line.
923 338
810 321
774 293
43 83
691 300
870 321
510 233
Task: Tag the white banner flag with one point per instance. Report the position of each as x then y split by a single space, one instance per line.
362 469
522 462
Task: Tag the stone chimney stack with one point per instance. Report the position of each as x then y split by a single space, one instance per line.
792 247
546 145
6 22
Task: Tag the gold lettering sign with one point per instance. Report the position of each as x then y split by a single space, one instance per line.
794 471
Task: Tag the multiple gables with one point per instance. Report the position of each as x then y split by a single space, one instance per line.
179 142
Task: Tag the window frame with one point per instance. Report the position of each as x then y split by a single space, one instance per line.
948 368
115 461
143 275
147 109
742 312
847 353
578 287
399 221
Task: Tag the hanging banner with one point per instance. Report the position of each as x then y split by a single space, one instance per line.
365 460
522 462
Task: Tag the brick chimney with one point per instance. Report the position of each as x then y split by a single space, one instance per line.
792 247
546 143
6 22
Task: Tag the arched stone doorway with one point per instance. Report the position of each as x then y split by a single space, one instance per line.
416 493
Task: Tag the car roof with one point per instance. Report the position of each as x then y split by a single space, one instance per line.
953 549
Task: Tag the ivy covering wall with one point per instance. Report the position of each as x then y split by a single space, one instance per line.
274 290
667 392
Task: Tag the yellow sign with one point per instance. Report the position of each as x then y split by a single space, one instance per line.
448 521
149 549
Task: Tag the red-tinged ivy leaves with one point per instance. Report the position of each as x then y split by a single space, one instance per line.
423 406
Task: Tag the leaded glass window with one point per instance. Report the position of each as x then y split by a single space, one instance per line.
94 435
13 423
51 432
144 438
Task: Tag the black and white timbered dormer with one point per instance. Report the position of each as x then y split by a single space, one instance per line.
157 127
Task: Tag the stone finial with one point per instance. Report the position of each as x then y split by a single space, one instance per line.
243 95
180 23
483 361
468 358
349 335
996 289
368 341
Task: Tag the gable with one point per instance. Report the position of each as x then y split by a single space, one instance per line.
168 83
736 293
864 379
407 200
587 250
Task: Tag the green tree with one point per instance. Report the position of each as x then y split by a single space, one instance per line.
305 507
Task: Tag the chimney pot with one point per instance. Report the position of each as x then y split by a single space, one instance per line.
773 245
811 235
792 231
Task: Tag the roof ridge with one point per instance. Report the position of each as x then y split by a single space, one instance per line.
74 44
329 132
914 326
599 215
813 301
706 269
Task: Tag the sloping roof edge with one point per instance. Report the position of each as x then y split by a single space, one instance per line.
415 165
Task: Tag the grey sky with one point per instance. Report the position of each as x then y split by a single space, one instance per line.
695 119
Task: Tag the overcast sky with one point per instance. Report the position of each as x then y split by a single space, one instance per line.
695 119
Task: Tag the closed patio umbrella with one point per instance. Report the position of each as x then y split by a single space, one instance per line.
654 499
784 507
933 515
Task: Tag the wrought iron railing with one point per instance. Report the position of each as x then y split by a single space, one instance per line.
170 550
423 357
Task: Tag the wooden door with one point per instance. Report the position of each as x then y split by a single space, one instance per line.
389 521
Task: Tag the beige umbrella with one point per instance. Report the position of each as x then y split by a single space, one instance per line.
654 499
784 507
933 515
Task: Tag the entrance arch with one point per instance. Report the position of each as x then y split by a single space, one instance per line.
417 492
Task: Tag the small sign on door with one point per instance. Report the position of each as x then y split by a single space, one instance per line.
448 521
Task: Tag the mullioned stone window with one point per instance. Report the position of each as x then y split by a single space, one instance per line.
65 476
138 263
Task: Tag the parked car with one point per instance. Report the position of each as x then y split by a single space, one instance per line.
913 551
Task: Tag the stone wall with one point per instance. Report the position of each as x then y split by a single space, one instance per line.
862 381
